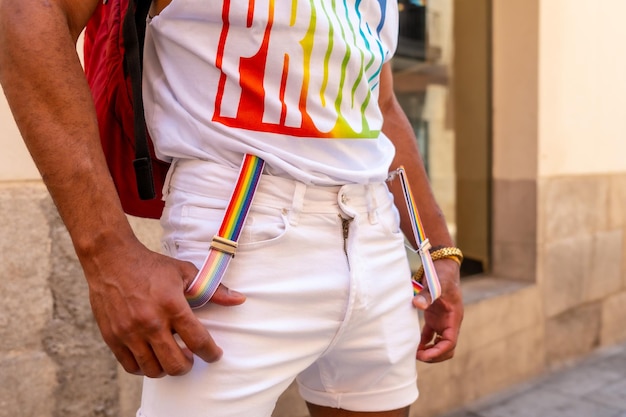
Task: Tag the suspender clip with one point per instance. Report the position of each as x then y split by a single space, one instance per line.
224 245
424 246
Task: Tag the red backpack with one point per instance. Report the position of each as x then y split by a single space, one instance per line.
113 52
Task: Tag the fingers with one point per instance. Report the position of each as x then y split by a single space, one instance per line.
427 337
436 347
197 339
442 318
159 342
167 353
159 353
139 304
126 359
148 349
223 295
148 361
439 352
176 334
226 297
193 335
422 300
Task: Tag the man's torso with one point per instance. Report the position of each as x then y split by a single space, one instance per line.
293 82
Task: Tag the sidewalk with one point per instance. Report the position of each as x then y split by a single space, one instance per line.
595 387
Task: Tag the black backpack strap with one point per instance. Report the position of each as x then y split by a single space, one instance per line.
141 14
133 31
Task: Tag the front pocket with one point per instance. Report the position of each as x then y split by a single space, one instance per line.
200 224
190 251
389 218
263 225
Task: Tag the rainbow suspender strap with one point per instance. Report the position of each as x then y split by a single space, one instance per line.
423 245
224 243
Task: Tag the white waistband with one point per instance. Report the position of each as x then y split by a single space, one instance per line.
216 181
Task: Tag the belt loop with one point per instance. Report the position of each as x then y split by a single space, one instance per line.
372 204
297 203
168 179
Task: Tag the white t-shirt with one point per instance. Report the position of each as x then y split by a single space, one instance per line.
294 82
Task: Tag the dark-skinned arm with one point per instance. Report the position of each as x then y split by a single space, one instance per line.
443 317
136 295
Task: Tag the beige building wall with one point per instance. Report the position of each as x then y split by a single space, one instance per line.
557 286
582 87
558 86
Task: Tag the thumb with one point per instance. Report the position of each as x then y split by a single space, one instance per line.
223 295
226 297
422 300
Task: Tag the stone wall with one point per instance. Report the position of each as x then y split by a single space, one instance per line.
581 229
26 306
52 357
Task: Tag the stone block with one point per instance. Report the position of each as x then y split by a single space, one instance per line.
87 371
505 362
87 388
564 267
25 265
516 217
507 308
27 385
573 333
613 319
579 270
515 260
617 201
573 206
514 229
623 259
67 282
439 386
605 274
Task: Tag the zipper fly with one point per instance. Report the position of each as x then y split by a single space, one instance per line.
345 227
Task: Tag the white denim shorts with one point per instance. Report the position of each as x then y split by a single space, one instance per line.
328 291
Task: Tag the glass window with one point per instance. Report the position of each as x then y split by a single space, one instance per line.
427 83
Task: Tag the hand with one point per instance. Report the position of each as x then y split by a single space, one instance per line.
443 317
137 297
